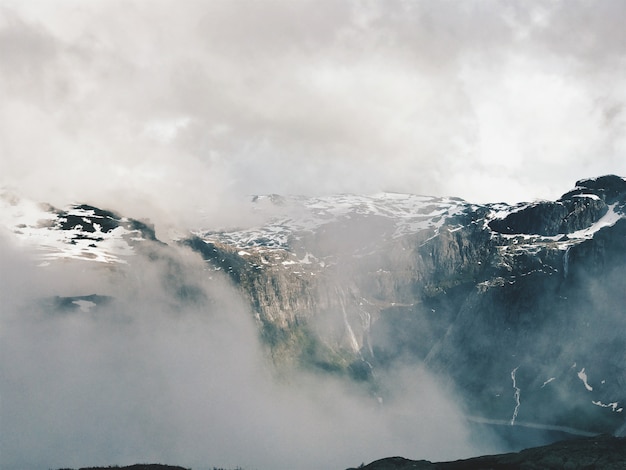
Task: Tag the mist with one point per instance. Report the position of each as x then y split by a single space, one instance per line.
172 371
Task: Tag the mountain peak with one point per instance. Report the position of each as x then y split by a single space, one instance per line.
603 182
78 231
608 187
602 451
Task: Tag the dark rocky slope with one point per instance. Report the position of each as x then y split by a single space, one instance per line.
601 453
594 453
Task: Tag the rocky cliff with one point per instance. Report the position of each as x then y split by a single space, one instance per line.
519 306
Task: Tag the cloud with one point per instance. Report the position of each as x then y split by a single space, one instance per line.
174 107
172 371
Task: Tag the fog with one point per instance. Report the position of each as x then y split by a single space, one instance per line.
171 371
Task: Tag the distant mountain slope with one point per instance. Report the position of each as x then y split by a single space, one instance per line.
518 305
139 466
602 452
519 308
80 232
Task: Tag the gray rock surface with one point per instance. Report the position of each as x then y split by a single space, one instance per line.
499 299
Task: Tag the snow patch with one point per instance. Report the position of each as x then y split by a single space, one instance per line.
308 259
582 375
84 305
613 406
37 226
607 220
296 216
595 197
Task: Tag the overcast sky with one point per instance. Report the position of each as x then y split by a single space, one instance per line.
167 106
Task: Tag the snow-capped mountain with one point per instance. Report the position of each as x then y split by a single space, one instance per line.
79 232
518 304
520 308
295 217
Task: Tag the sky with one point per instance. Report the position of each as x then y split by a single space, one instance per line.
174 108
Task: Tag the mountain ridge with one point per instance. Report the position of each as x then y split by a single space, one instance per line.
605 452
518 307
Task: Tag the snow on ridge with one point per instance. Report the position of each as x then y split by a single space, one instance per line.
595 197
502 210
296 215
596 178
563 241
607 220
38 226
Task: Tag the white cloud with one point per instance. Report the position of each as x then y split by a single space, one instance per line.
156 377
174 107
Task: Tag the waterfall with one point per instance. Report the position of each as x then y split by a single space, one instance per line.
351 336
566 262
516 395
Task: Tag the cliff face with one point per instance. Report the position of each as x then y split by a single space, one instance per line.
519 306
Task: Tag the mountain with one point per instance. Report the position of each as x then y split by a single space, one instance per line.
605 452
601 452
518 308
137 467
77 232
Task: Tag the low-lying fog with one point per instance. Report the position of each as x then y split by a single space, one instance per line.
172 372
